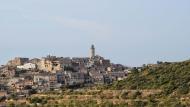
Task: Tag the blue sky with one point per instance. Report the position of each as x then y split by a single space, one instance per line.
130 32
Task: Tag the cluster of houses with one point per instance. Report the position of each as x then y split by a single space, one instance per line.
25 76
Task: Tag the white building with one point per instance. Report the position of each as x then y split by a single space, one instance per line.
27 66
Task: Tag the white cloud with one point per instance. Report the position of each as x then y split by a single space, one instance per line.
97 29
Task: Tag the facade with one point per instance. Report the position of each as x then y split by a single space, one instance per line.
41 82
54 64
27 66
74 78
97 77
53 83
50 65
105 63
13 81
18 61
40 79
7 71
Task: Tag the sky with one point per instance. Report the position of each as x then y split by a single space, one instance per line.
129 32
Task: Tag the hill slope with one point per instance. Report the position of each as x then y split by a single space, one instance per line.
170 77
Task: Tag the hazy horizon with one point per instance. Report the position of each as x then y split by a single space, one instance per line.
129 32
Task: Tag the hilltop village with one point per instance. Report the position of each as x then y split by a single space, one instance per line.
24 76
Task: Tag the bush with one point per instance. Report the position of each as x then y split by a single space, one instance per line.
138 104
136 94
184 89
38 100
124 95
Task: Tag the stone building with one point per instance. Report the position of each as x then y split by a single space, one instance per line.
18 61
7 71
50 64
54 64
53 82
74 78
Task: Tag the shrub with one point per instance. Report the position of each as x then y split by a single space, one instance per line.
138 104
184 89
124 95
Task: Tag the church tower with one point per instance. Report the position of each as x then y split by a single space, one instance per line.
92 51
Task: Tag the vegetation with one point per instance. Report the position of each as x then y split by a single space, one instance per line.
173 79
169 77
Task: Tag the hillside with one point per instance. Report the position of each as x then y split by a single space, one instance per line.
169 77
173 79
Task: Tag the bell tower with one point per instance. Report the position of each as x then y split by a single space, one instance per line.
92 51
